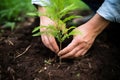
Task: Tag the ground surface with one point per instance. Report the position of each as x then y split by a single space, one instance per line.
39 63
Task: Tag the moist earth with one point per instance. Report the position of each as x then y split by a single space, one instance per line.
24 57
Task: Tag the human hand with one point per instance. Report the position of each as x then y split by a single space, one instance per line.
82 43
48 40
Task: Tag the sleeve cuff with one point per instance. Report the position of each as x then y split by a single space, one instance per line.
39 2
110 10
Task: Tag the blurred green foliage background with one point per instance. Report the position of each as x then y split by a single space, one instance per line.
14 10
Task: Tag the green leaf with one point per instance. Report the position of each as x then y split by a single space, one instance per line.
66 9
64 31
64 37
10 25
37 34
33 14
36 29
72 27
71 17
75 32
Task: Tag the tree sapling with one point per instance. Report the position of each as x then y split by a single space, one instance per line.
57 12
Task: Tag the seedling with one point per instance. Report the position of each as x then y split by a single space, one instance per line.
10 25
57 10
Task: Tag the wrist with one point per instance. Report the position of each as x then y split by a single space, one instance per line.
97 24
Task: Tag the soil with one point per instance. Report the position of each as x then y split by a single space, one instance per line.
24 57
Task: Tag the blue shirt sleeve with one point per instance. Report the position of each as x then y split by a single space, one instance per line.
110 10
40 2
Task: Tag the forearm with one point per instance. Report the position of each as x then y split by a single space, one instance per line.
97 24
42 11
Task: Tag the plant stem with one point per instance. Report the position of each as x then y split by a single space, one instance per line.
60 45
60 49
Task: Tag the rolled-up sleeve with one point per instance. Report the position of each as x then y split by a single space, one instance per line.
40 2
110 10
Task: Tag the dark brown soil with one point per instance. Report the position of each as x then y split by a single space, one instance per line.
39 63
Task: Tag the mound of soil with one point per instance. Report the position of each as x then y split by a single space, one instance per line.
24 57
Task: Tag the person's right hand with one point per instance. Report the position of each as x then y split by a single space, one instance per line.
48 40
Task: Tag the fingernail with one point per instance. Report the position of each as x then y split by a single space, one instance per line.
56 51
59 54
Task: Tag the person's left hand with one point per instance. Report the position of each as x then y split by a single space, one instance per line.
80 43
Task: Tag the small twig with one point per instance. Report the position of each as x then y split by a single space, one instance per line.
11 43
23 51
49 74
12 72
58 66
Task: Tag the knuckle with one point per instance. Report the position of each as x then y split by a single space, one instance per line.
51 42
75 56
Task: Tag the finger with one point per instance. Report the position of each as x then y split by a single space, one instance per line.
50 42
70 47
86 49
68 55
73 52
84 52
79 53
46 42
53 44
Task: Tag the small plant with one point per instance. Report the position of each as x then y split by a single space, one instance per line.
57 12
10 25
